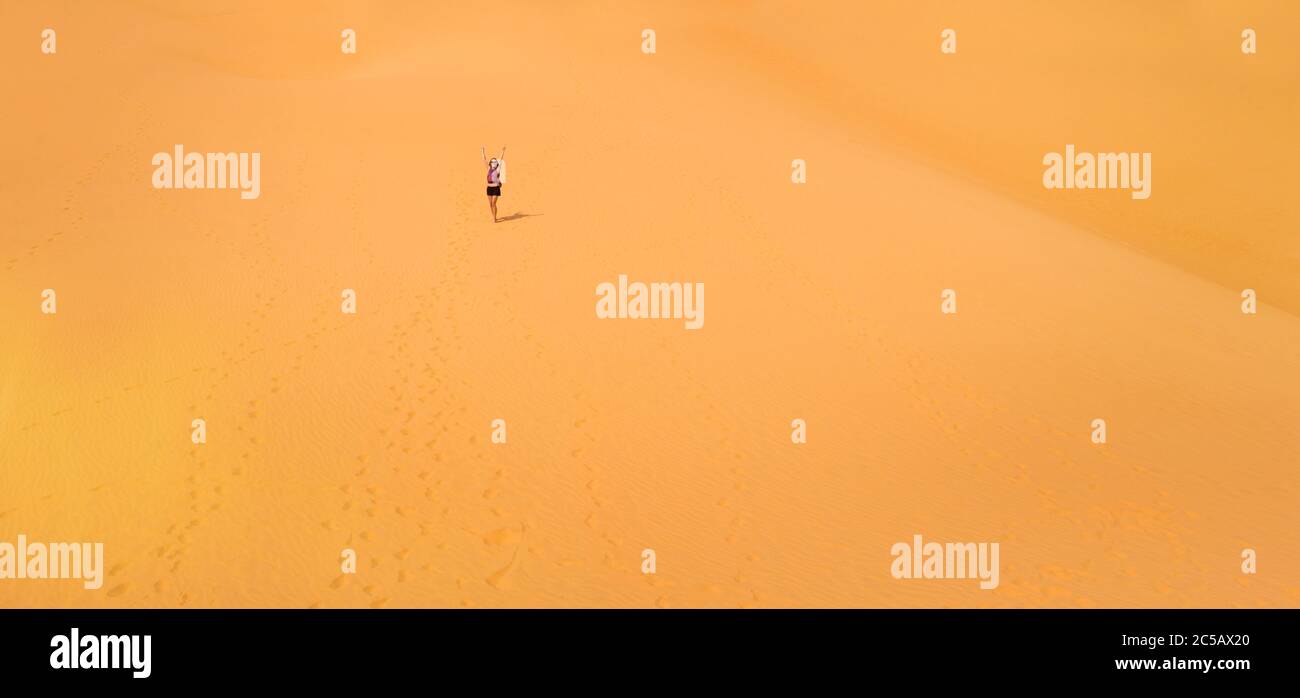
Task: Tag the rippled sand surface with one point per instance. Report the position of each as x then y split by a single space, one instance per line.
372 431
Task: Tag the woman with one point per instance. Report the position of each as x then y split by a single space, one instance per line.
496 176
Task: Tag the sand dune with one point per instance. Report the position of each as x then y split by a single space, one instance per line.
371 431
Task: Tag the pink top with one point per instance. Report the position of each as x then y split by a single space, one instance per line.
492 175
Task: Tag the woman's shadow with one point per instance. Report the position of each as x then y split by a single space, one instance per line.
517 215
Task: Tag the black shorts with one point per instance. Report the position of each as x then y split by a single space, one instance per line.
494 191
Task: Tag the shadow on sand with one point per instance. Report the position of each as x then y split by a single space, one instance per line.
517 215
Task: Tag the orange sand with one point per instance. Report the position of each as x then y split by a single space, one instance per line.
371 431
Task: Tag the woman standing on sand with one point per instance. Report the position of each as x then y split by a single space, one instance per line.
496 176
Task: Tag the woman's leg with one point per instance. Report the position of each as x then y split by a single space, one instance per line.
492 201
